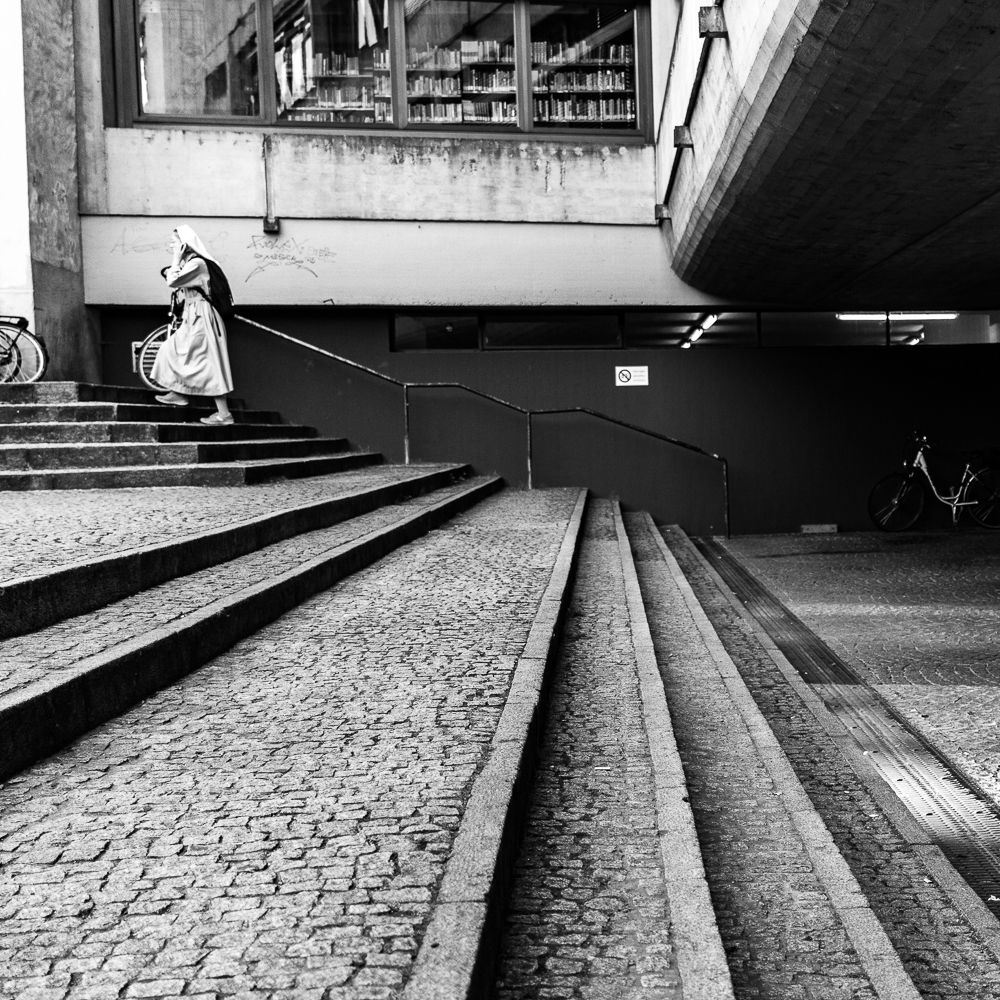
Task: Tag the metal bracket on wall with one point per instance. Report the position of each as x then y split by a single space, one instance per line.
711 25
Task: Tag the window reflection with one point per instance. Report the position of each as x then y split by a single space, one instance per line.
198 57
331 61
460 63
583 66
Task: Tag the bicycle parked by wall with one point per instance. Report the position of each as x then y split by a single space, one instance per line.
897 500
23 357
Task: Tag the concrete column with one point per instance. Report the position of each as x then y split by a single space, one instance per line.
39 68
16 290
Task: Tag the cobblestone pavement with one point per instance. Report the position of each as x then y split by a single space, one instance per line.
43 655
588 916
917 615
782 934
45 529
939 949
275 825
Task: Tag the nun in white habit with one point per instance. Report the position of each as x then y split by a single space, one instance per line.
194 359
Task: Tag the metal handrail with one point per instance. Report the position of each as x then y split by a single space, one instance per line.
529 414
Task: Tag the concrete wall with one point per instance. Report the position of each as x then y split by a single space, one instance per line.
743 73
317 175
56 252
351 262
806 432
16 290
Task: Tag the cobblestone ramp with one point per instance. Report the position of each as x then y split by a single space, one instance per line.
943 935
593 911
793 919
278 824
67 553
57 683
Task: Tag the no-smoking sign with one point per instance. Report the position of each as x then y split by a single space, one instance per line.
631 375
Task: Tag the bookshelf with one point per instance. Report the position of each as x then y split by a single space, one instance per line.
347 88
588 85
473 81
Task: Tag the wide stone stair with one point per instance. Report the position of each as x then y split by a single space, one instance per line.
69 435
398 733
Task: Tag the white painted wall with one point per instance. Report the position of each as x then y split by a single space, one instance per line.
16 295
351 263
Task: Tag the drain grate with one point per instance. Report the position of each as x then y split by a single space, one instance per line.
956 816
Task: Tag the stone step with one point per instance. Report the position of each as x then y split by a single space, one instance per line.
288 817
94 432
608 831
98 578
64 680
82 392
19 413
204 474
86 455
785 896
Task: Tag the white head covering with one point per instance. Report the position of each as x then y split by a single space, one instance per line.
191 239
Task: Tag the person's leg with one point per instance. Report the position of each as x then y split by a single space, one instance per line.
221 415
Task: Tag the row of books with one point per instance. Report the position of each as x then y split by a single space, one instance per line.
487 50
440 86
330 63
334 95
500 112
570 109
557 52
358 115
603 80
496 112
489 80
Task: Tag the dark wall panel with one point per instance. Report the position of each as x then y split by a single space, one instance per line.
805 431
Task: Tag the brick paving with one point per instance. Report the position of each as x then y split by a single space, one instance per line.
43 655
275 825
917 615
46 529
940 950
783 936
588 916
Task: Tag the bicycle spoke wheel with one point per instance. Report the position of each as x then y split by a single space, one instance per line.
896 502
985 491
22 356
147 355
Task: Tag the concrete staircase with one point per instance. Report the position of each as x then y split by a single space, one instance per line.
396 732
69 435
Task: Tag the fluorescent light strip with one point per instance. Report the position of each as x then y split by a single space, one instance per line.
873 317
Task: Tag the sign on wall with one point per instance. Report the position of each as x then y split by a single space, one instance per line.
631 375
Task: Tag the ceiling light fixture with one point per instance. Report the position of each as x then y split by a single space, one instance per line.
896 317
923 316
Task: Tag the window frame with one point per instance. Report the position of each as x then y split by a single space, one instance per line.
124 84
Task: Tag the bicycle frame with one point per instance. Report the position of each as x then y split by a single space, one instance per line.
954 500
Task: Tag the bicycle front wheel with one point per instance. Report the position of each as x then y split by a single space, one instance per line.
147 356
984 489
896 502
22 356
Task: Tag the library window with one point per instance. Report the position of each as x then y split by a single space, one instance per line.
397 64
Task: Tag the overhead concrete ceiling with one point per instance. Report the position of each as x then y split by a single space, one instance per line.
874 177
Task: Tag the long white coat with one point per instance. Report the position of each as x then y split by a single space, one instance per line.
195 359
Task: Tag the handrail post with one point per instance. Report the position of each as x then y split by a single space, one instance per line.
406 423
528 421
725 493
